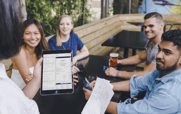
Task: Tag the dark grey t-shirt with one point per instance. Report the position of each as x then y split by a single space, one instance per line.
151 53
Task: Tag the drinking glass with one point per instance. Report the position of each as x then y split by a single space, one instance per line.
113 59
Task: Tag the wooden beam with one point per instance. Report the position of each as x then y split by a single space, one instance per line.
89 28
100 32
103 38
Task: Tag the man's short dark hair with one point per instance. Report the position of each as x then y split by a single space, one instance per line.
173 36
10 28
158 16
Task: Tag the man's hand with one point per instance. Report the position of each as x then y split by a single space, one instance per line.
118 62
111 71
75 79
93 84
88 92
75 69
74 60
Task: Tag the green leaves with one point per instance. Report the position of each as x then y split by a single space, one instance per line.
47 12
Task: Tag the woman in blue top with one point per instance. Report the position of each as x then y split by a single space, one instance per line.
65 38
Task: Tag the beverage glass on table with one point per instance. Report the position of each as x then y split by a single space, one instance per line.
113 60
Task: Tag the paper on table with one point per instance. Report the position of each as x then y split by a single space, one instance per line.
100 97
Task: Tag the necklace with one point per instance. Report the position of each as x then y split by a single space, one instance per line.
69 43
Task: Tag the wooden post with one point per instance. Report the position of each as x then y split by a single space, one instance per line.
108 7
105 8
129 6
83 12
102 14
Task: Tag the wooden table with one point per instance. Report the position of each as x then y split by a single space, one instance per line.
128 39
74 103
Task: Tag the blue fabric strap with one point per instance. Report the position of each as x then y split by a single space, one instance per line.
117 73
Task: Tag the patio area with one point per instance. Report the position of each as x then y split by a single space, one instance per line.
95 33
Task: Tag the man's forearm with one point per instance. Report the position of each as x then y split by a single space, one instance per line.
121 86
134 60
128 75
112 107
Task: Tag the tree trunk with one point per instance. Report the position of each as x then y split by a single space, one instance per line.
122 6
134 6
102 9
106 8
83 11
22 6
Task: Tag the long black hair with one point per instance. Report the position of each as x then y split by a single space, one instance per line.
43 45
10 28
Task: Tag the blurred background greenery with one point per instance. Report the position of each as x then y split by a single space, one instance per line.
47 12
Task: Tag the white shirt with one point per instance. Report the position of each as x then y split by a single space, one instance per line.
12 98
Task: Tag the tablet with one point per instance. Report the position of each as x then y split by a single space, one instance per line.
57 72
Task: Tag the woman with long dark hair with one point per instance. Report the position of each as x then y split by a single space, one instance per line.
33 43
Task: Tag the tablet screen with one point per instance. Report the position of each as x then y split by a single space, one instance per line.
57 73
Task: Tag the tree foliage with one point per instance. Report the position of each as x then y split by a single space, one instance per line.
47 12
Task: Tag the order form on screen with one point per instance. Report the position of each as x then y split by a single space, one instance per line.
57 71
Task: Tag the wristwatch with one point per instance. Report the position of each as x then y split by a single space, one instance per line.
117 73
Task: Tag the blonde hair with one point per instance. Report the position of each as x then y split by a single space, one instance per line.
58 41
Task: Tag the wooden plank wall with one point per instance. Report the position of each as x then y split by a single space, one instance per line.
94 34
173 19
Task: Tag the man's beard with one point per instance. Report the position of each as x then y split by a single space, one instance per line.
170 68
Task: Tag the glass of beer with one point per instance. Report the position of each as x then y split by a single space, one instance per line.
113 60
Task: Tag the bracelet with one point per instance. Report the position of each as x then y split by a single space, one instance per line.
117 73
